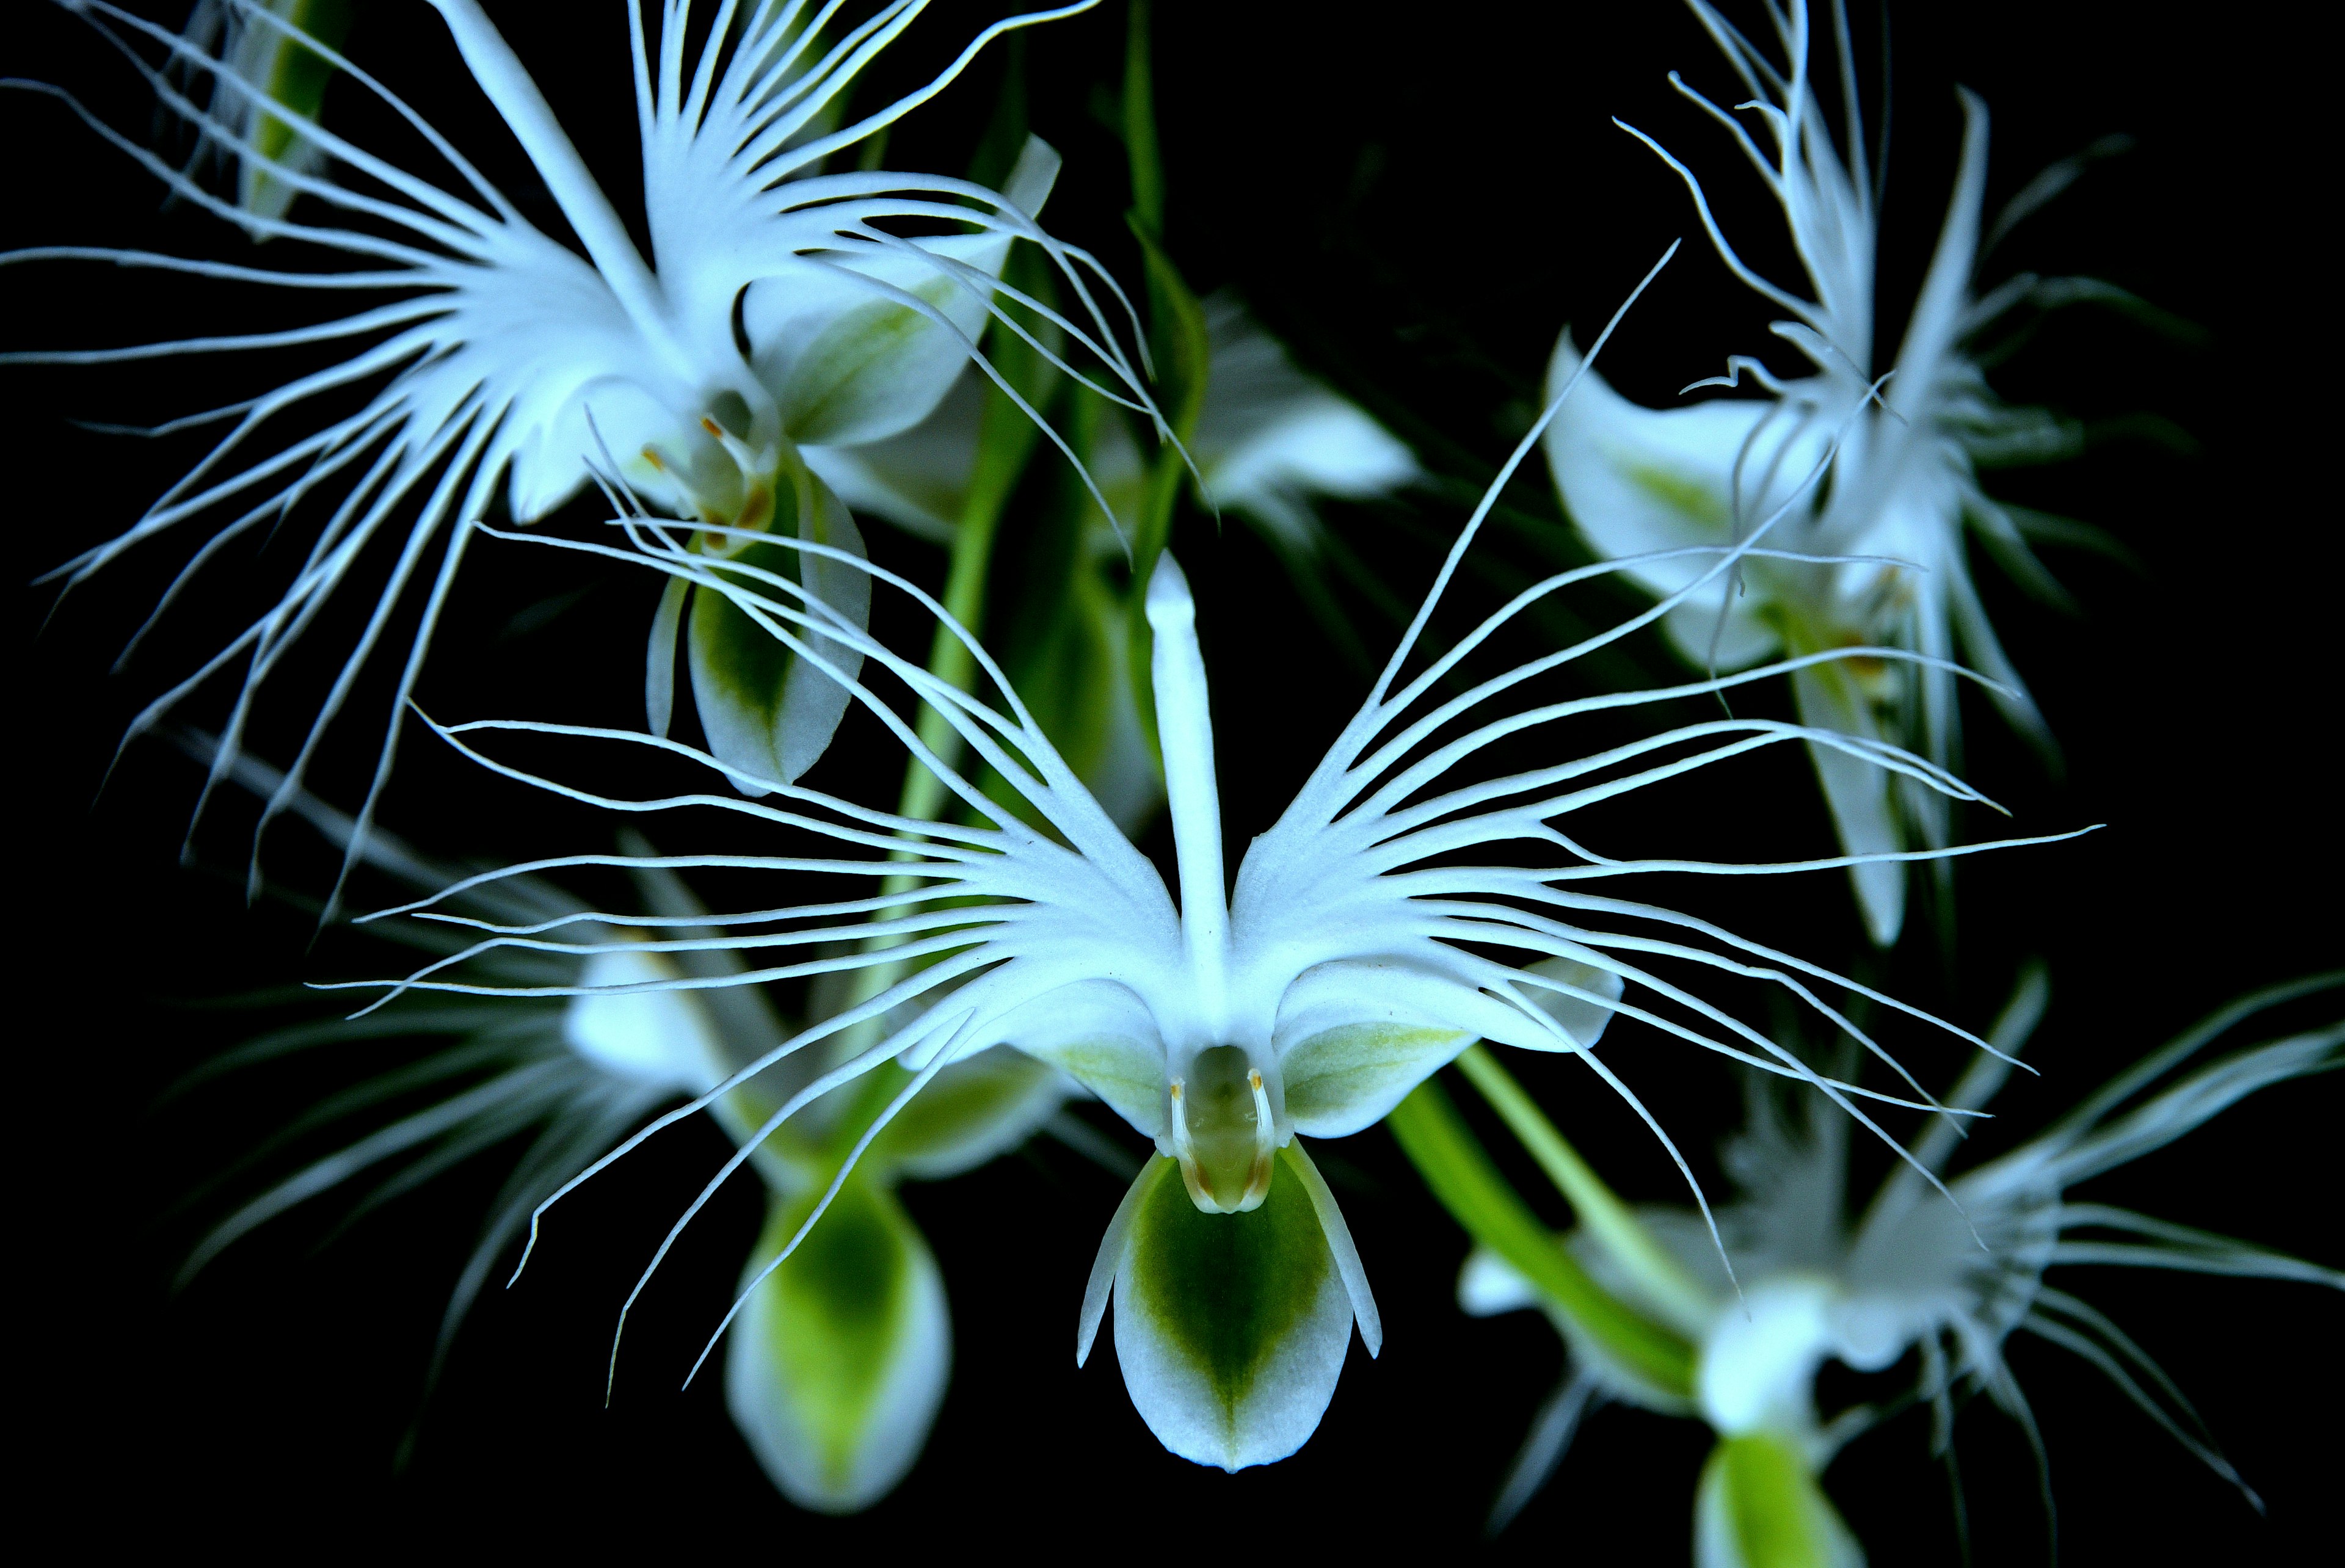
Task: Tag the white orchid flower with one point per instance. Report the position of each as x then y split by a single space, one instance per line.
845 1351
1946 1277
775 310
1354 957
1886 537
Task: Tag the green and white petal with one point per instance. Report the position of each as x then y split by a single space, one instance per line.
917 479
767 710
840 1359
270 62
1858 792
845 360
1343 1080
1758 1507
1099 1034
1639 480
970 1112
1231 1328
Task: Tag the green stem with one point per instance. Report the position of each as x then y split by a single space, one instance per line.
1671 1291
1139 121
1006 439
1444 1150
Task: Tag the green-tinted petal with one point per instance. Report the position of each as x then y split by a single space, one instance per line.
970 1112
840 1359
848 364
1093 1038
1342 1080
1231 1327
765 710
1758 1507
275 65
1857 792
1637 481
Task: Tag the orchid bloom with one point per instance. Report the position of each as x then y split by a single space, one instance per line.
1355 957
1948 1278
775 312
845 1351
1878 556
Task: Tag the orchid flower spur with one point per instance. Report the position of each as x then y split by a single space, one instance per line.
777 309
1884 542
1353 959
844 1354
1945 1278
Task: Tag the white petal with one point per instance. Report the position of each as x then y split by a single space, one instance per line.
919 480
1757 1364
1858 793
1583 1019
1099 1034
971 1111
1269 436
840 1359
659 1037
1637 481
848 364
1231 1328
1489 1285
1354 1038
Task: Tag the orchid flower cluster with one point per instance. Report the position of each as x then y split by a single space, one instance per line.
794 344
1875 555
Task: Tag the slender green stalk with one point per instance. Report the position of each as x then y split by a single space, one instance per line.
1140 122
1454 1165
1006 440
1662 1280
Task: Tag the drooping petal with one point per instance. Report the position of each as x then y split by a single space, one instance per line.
767 710
840 1357
1758 1507
1231 1327
1858 793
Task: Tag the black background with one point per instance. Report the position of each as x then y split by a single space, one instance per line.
1416 201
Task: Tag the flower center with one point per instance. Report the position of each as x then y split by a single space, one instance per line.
723 482
1223 1132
